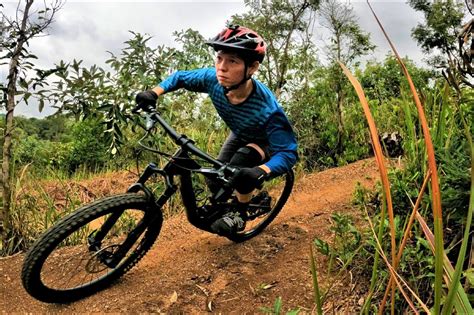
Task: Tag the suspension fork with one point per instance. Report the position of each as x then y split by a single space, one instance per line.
95 238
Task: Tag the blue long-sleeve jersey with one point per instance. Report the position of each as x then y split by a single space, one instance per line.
259 118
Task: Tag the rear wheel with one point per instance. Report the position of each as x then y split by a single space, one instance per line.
71 261
265 206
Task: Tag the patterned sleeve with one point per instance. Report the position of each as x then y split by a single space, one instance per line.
283 147
192 80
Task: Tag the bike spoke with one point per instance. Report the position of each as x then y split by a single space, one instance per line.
75 266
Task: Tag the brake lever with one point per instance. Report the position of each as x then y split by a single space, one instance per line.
148 109
150 122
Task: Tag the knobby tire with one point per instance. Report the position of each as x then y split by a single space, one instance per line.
50 241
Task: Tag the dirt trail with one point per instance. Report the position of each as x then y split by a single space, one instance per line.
191 271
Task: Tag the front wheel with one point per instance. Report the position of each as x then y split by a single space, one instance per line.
82 254
265 206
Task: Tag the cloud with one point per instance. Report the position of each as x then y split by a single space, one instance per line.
86 30
398 19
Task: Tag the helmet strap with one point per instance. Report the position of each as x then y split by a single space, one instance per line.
236 86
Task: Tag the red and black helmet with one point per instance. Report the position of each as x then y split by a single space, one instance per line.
242 40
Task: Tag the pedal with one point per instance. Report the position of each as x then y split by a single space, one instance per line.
259 205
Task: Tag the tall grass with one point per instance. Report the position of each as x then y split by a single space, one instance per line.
41 200
35 209
435 191
42 196
454 288
317 294
387 200
455 296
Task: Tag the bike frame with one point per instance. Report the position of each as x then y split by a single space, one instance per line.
183 166
180 164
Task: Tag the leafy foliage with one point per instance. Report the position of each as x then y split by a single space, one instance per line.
346 239
385 80
109 96
438 37
453 158
88 147
94 116
286 27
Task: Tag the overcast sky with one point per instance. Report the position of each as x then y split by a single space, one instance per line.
87 29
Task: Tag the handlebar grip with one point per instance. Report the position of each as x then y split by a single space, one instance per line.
135 109
144 106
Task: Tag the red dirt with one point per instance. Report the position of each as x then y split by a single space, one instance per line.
191 271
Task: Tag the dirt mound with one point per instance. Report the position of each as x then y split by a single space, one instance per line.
191 271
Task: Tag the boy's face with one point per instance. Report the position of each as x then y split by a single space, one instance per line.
229 68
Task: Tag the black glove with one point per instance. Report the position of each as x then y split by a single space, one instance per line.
146 98
247 179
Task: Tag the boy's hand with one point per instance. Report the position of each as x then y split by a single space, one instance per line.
248 178
146 98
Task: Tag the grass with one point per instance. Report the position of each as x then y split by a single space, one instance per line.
317 294
39 203
455 296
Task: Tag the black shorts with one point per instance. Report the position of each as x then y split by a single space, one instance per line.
233 143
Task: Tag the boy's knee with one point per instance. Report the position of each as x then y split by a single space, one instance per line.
246 156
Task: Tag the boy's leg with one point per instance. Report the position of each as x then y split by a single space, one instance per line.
249 155
228 149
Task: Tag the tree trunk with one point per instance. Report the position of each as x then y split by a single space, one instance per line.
5 217
6 155
340 118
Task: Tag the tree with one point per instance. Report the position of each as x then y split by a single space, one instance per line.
286 26
382 81
446 39
16 34
88 148
96 93
52 128
347 42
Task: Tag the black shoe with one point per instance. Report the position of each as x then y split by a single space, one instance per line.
230 223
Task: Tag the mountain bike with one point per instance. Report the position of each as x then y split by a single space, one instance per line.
87 250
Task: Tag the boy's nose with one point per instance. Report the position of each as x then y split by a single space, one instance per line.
223 66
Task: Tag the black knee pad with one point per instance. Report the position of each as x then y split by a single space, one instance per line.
246 157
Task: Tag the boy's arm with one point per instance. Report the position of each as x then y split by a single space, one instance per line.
158 90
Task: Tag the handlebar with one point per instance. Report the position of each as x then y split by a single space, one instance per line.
154 117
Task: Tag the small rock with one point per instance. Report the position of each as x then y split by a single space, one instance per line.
174 297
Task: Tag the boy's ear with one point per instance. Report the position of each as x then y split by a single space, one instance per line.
254 67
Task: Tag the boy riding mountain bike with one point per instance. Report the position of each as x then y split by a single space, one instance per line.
261 141
100 241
